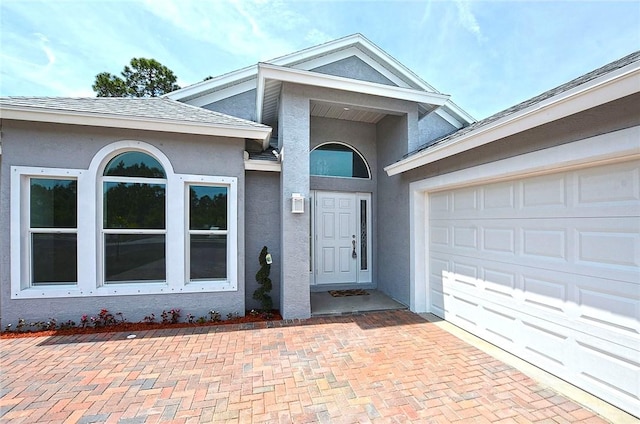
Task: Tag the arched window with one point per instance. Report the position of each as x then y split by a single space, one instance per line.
338 160
134 219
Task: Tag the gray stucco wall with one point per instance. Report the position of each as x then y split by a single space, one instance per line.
354 67
65 146
432 127
293 137
242 105
262 228
393 212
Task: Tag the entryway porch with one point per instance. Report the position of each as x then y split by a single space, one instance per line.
323 303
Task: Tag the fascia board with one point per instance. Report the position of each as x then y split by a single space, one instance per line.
619 83
149 124
262 165
296 76
196 90
323 60
223 93
363 44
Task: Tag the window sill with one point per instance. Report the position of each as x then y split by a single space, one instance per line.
126 289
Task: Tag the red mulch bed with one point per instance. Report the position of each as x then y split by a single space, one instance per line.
138 326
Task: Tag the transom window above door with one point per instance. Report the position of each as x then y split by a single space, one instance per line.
338 160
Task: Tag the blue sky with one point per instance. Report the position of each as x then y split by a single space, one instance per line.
488 55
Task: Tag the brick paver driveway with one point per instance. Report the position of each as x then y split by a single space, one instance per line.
380 367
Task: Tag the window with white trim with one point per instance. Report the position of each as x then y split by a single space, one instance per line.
126 226
207 246
134 219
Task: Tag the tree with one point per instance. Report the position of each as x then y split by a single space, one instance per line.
143 78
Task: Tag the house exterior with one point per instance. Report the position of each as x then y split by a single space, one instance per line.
522 228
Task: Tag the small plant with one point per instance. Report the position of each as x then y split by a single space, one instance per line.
254 313
214 316
262 277
84 321
104 319
67 325
121 316
232 315
201 320
190 318
149 319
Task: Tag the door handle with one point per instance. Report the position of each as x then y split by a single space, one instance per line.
354 255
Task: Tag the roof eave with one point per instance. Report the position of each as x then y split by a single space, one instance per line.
137 123
279 73
614 85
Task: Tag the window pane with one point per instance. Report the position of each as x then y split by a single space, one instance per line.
54 259
363 235
134 164
208 208
53 203
208 257
337 160
134 205
134 257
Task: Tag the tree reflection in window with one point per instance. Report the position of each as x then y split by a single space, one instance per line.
134 219
337 160
134 164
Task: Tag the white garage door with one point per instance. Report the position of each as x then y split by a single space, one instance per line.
548 268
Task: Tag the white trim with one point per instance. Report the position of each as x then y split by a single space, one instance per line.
231 281
267 71
223 93
187 94
324 60
616 146
363 44
262 165
614 85
19 230
133 122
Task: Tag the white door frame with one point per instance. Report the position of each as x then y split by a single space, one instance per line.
363 276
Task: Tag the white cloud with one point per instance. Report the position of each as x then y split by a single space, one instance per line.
468 20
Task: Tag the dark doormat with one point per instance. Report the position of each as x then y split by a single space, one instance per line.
344 293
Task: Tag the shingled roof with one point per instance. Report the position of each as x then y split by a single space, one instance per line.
127 112
631 58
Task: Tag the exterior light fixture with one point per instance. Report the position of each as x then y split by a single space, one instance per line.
297 203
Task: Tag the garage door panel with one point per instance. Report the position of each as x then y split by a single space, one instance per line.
614 185
619 379
610 306
604 247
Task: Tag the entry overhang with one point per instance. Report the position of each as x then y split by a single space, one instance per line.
280 74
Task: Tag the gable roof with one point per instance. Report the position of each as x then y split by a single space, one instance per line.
210 91
154 113
610 82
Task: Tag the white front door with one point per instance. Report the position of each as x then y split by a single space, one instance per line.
341 236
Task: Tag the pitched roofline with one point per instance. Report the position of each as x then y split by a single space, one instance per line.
204 88
41 114
279 73
610 86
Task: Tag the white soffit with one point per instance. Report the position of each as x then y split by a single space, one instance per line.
278 73
136 123
617 84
